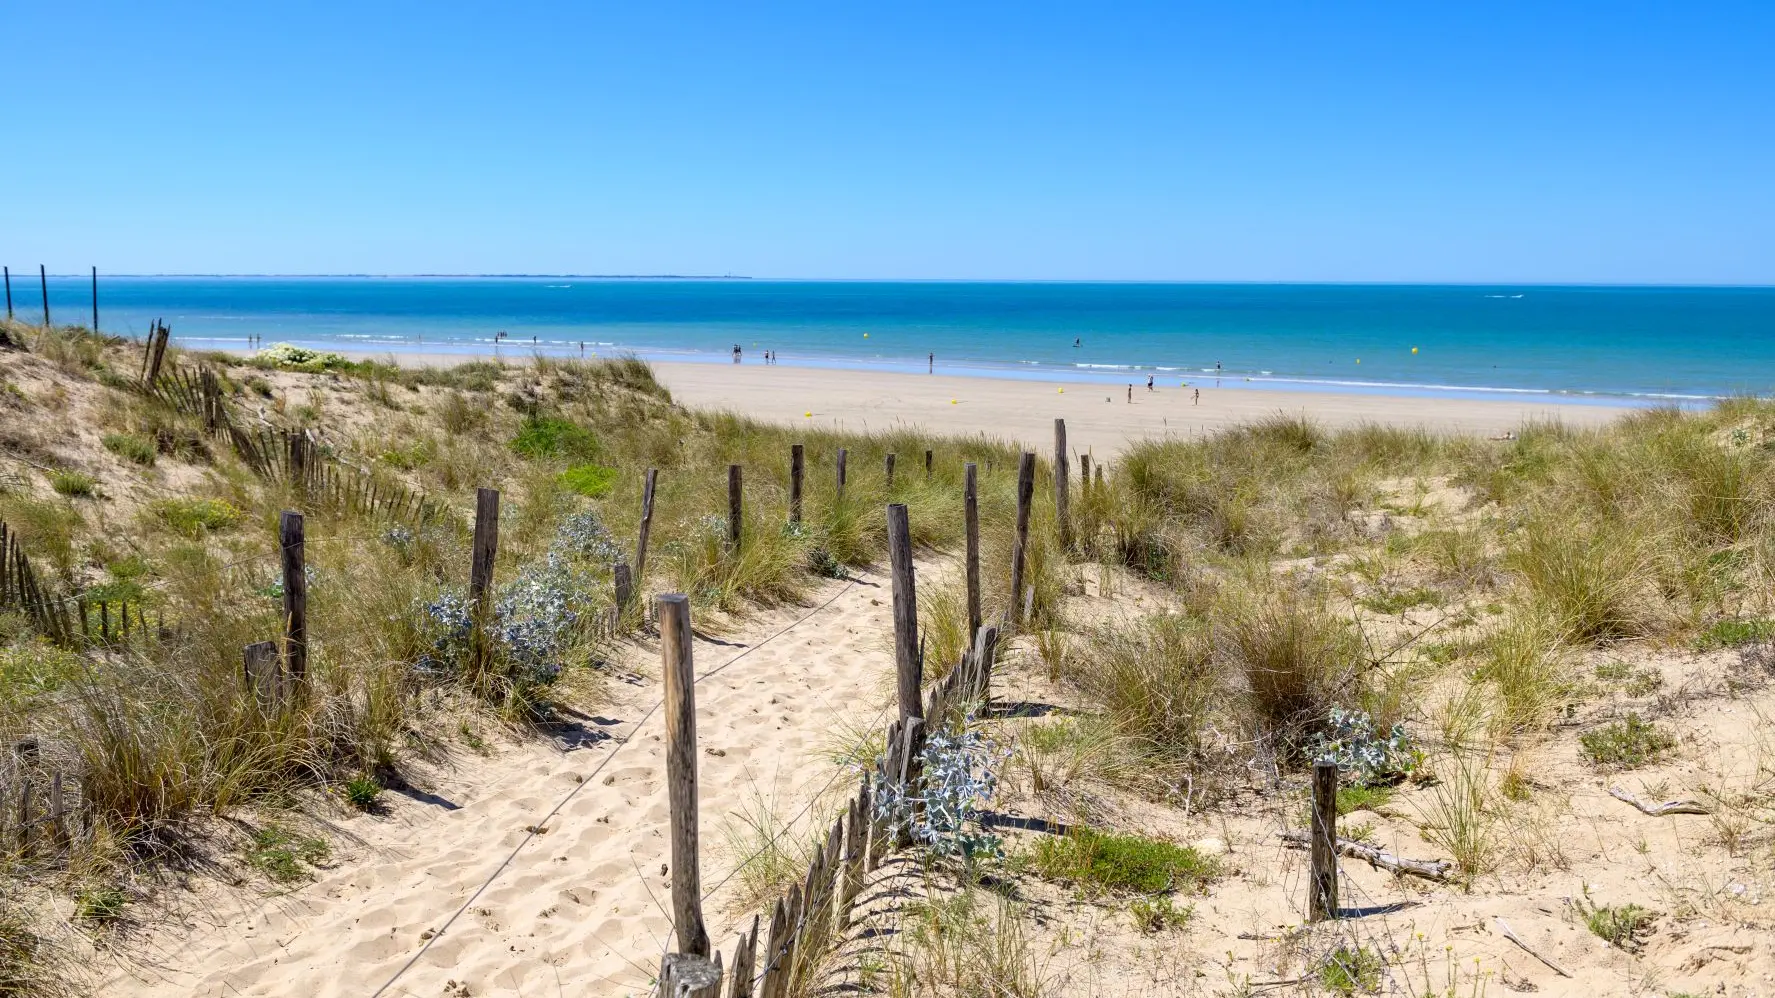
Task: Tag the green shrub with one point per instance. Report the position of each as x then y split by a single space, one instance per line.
1159 914
547 436
1350 971
100 905
1623 925
590 480
1734 632
130 447
73 483
193 517
361 792
1102 862
1626 744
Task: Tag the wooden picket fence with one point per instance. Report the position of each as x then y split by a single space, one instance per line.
41 813
20 590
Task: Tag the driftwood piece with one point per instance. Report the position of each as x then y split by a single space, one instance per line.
1438 870
1505 930
1659 810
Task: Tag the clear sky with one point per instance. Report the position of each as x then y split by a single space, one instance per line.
1607 142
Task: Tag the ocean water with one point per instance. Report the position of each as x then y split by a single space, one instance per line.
1653 343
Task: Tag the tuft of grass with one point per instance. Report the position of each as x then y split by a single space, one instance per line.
549 436
100 905
1159 914
1106 863
130 447
362 792
195 517
283 855
1624 926
1626 744
1298 657
73 484
968 942
1397 601
1524 660
1459 815
1734 632
593 481
1349 971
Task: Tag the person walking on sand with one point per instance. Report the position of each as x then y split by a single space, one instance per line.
1198 399
1130 394
932 358
1149 382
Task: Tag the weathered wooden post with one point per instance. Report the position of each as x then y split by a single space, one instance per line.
43 276
646 526
8 294
1020 543
1322 903
889 462
689 971
797 454
623 580
745 953
24 815
970 499
1062 482
927 464
486 549
841 457
295 579
1085 475
908 665
259 662
58 811
95 299
735 511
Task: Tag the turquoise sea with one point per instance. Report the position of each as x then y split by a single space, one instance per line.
1654 343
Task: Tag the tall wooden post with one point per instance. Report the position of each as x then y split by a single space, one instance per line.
927 465
907 662
486 549
797 454
841 457
8 271
1322 903
95 299
1020 543
889 463
680 708
295 578
646 527
735 511
970 499
1062 482
43 277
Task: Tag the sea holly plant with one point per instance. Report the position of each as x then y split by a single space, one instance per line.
941 809
1351 741
532 626
583 535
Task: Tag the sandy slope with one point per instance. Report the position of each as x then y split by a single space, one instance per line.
578 910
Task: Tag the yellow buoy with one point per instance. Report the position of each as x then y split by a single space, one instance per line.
1414 349
951 401
808 415
865 335
1061 391
1358 360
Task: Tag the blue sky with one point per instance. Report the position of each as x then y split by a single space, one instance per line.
1611 142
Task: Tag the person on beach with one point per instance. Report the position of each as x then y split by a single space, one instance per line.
1198 399
1149 382
1130 394
932 358
736 353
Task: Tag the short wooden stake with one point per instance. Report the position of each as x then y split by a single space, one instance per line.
680 708
688 975
1062 482
970 499
1322 902
889 463
907 661
927 465
1020 542
259 662
624 582
841 456
745 953
735 511
43 276
295 579
646 526
1085 475
24 815
95 299
797 455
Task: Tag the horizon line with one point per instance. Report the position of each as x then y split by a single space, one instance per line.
942 280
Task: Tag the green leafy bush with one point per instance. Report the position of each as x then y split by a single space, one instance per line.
362 792
1626 744
1101 862
1350 971
547 436
282 855
1735 632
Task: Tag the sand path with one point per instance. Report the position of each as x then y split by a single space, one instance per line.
577 909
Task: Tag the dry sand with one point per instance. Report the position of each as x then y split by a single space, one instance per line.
1098 417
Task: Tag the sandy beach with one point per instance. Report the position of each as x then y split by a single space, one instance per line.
1099 418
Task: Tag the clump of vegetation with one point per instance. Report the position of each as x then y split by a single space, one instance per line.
593 481
1159 914
1107 863
283 855
549 436
73 484
1352 970
362 792
1733 632
1626 744
1373 761
130 447
1624 926
99 905
195 517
